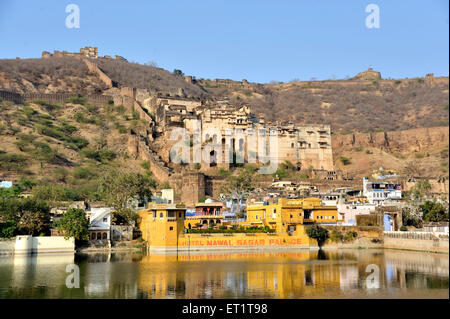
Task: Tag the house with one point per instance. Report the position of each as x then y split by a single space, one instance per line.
377 192
100 224
6 184
207 213
348 212
290 215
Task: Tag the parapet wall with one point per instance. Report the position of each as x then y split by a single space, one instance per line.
25 245
432 242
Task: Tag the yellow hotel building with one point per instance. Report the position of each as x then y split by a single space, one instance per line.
163 226
289 215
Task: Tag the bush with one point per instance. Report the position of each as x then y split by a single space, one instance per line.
8 229
78 99
335 236
103 155
344 160
403 228
81 173
145 165
318 233
349 236
12 162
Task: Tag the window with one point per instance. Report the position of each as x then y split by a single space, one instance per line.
160 215
180 215
170 228
104 236
332 217
105 219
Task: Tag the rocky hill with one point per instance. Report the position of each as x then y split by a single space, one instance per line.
418 152
348 105
364 103
396 124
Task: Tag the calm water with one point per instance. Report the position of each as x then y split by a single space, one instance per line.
305 274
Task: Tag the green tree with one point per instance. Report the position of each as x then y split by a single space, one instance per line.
74 224
344 160
117 188
236 187
434 212
8 229
421 189
318 233
178 72
50 193
31 216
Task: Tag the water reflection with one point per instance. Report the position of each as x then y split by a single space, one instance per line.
303 274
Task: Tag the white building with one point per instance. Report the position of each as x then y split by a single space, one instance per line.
377 192
348 212
99 223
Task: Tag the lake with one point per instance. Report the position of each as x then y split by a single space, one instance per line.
346 273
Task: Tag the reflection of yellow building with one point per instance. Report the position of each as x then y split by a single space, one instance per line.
161 224
292 276
289 215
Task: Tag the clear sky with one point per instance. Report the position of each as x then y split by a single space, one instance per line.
254 39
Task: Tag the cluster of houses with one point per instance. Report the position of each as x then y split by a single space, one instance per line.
378 203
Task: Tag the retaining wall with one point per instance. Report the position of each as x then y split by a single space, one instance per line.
25 245
432 242
258 241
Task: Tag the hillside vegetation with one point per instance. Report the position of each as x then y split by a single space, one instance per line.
348 105
70 146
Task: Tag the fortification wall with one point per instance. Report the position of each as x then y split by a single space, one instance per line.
95 69
58 98
12 96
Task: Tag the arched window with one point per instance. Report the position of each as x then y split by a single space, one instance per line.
105 236
93 236
99 236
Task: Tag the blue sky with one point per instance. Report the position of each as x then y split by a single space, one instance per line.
257 40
